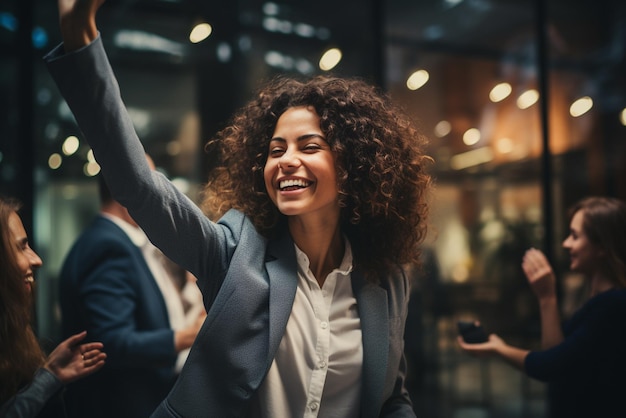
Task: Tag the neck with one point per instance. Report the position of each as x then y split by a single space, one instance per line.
599 284
119 211
322 243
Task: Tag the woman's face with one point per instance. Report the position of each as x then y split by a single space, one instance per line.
584 256
300 175
27 259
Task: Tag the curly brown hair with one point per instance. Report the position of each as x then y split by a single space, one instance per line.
380 163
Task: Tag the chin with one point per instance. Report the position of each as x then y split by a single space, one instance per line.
289 210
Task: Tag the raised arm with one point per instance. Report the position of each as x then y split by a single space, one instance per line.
175 224
543 283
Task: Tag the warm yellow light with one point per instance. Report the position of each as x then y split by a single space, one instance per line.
581 106
527 99
500 92
443 128
417 79
471 136
54 161
330 59
70 145
622 117
91 169
504 145
460 273
471 158
200 32
90 156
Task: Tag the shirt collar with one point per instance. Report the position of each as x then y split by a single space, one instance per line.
136 234
344 268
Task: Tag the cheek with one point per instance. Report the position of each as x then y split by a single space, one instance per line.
23 263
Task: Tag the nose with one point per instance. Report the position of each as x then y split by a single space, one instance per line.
288 160
34 259
566 243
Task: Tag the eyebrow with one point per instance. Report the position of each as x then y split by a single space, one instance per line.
300 138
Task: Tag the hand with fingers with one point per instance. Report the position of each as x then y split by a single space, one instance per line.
78 22
539 274
71 360
485 349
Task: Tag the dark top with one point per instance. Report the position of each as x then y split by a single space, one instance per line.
587 371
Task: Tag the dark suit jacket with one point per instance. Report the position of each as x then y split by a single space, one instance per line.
107 289
248 282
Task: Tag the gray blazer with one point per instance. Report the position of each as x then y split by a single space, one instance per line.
248 281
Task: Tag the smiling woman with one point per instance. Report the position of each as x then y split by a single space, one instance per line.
584 362
322 187
27 259
31 383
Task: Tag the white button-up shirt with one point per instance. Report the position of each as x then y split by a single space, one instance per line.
317 369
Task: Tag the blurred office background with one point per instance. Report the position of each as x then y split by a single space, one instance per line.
524 102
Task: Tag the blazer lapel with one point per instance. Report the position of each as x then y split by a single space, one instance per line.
374 314
282 269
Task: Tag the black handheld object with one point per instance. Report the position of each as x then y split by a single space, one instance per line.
472 332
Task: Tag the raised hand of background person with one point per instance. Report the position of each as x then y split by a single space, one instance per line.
71 360
539 274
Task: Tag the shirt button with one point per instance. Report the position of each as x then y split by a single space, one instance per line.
322 364
313 406
324 325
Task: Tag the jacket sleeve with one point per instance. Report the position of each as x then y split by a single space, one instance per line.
171 220
28 402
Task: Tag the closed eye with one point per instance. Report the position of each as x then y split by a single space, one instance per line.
276 152
312 147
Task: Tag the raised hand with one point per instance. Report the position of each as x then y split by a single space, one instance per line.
71 361
77 19
539 274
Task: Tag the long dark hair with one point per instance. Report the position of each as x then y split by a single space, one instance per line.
20 353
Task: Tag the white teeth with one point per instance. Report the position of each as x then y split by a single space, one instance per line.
29 279
291 183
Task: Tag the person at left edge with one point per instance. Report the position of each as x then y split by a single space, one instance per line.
31 384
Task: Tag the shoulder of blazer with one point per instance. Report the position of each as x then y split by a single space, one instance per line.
101 234
238 227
